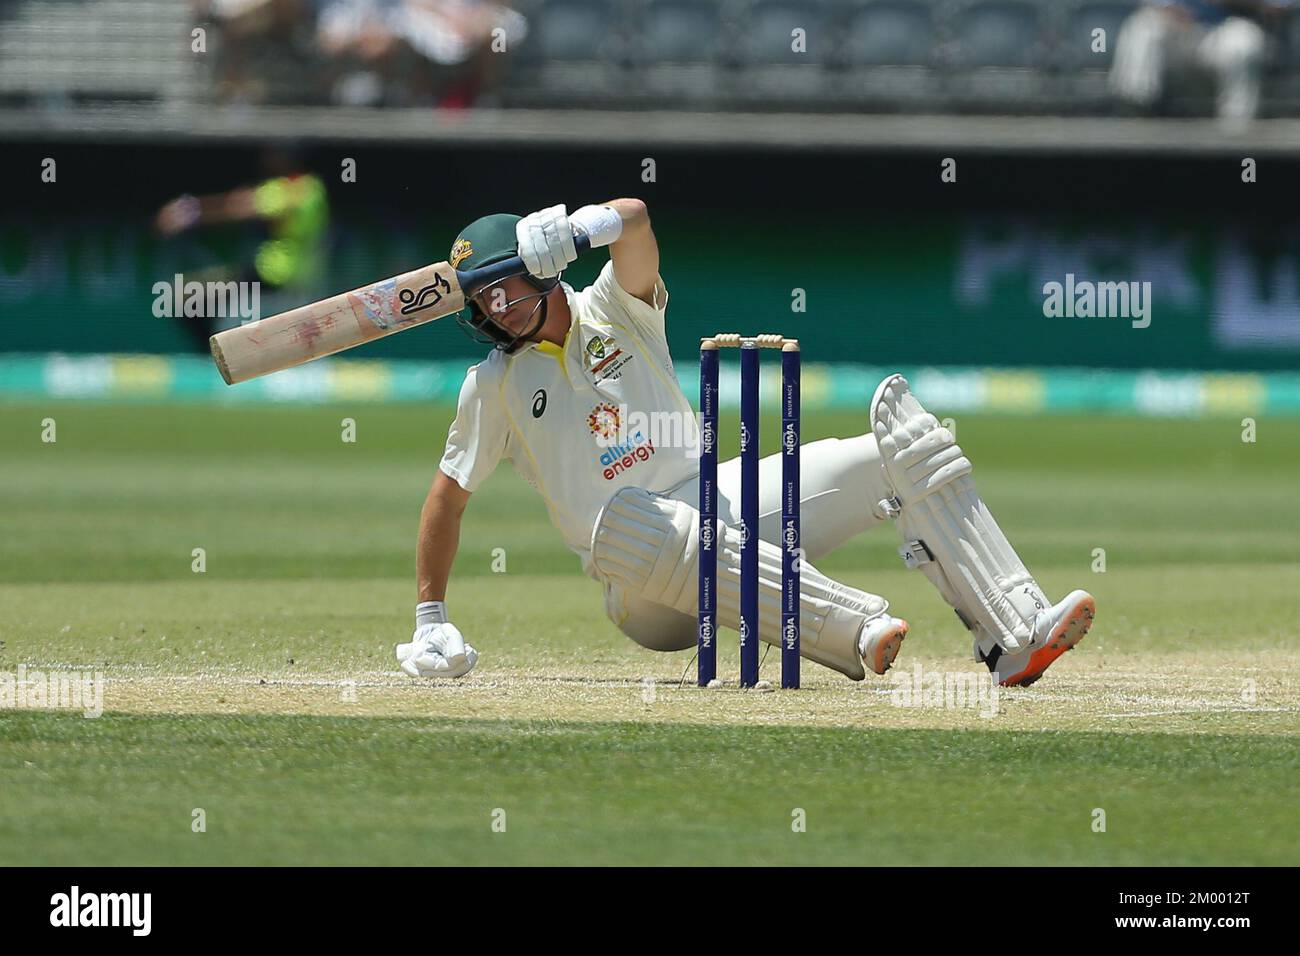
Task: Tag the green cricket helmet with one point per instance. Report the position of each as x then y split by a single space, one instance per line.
483 242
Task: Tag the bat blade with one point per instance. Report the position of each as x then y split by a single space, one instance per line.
337 323
353 318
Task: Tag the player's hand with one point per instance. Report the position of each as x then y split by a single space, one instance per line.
177 216
437 650
546 241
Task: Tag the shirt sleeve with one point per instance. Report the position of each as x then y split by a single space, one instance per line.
479 437
273 198
608 295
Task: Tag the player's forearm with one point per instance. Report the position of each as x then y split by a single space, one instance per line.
636 253
633 212
438 541
234 206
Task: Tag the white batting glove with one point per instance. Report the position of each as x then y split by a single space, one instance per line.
546 242
437 650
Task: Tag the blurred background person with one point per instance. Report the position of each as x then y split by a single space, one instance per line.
249 31
415 52
290 211
362 52
1171 43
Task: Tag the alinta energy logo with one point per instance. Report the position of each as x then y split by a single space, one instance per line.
605 421
77 909
620 450
620 427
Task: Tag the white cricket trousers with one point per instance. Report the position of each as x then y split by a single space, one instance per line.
840 481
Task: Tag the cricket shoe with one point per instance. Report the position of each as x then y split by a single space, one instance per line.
1062 625
879 642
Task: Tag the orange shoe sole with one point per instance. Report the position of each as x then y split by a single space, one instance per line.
887 648
1068 633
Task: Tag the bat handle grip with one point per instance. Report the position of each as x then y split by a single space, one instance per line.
476 279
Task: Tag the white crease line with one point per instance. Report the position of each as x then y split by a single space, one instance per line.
381 679
1208 710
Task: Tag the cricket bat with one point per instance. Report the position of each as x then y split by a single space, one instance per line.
353 318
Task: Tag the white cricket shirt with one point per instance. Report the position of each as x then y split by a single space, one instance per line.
582 421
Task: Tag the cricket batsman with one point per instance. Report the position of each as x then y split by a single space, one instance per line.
567 371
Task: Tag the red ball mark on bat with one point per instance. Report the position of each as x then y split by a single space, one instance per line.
308 331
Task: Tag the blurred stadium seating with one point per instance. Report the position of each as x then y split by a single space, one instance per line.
1056 178
55 52
1006 57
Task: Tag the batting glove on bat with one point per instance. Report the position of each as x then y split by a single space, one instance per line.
546 241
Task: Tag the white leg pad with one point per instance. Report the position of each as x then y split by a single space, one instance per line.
648 544
947 530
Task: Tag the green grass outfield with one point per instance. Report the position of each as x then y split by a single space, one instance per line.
263 691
